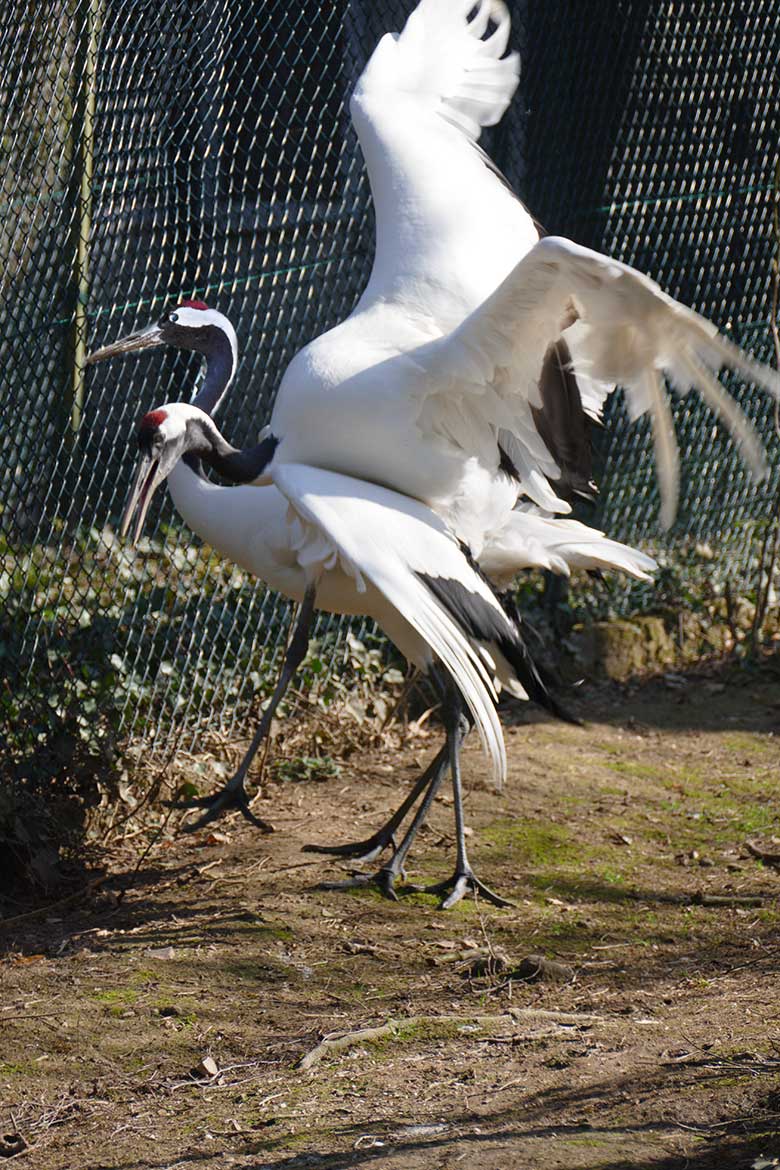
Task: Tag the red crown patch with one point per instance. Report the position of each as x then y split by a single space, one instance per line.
153 419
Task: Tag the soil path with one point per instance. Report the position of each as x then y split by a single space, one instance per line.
662 1051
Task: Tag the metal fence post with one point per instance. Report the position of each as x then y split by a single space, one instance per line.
85 72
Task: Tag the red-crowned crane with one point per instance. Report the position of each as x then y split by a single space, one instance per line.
355 547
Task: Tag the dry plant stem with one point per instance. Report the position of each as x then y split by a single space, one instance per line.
155 838
406 691
267 745
730 613
390 1029
90 887
152 792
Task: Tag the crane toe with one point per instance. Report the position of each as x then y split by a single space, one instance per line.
455 888
362 852
383 880
231 797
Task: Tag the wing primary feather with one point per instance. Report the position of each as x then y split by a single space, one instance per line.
733 418
493 626
666 453
731 355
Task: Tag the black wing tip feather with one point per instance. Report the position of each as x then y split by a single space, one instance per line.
563 424
494 627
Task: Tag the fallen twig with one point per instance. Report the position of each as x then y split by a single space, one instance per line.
741 966
349 1039
393 1028
35 1016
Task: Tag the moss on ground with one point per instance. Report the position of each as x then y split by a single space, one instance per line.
535 842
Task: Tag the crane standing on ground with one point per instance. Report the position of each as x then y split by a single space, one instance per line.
466 373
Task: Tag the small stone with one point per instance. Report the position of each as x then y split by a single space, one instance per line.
208 1067
160 953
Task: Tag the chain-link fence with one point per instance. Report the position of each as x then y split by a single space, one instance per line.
204 148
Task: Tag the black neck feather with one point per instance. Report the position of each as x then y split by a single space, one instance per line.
206 444
219 369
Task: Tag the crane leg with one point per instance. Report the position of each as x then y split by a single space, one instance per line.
385 878
457 725
463 880
233 795
365 851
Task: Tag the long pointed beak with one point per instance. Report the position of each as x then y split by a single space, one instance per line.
144 339
148 477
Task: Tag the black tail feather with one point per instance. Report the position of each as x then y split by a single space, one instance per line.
494 627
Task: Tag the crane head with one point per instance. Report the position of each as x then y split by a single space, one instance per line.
189 325
164 436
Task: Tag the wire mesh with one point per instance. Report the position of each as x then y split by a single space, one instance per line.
205 149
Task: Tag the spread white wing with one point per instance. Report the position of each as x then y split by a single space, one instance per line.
484 376
530 539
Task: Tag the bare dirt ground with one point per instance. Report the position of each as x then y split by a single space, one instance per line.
662 1051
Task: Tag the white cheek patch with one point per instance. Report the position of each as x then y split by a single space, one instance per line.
174 425
198 318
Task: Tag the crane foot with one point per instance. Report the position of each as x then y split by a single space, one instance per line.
362 852
460 884
383 880
232 796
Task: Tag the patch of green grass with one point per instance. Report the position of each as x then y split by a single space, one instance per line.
744 741
305 768
638 771
246 922
420 1031
747 820
185 1017
574 888
533 841
372 894
19 1068
116 996
585 1141
143 975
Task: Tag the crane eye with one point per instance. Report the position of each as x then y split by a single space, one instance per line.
173 317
